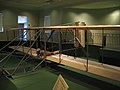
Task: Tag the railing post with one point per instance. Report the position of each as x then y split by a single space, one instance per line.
84 40
60 46
102 44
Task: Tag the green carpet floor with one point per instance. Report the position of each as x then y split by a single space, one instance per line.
45 78
11 62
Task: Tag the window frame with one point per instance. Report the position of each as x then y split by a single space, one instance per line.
1 22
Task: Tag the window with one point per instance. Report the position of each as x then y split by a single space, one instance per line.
1 22
47 23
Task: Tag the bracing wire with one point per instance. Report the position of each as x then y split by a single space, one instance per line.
25 54
5 62
68 49
16 48
38 64
12 51
11 42
82 47
44 56
50 35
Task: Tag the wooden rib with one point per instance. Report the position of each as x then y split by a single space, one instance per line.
90 27
23 49
108 71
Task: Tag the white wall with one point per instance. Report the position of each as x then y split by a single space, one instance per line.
10 17
108 16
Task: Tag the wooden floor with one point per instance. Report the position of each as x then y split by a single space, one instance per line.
108 71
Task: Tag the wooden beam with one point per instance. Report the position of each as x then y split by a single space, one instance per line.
76 35
88 27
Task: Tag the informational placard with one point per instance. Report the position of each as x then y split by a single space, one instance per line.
60 84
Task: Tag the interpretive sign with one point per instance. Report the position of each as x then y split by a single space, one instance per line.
60 84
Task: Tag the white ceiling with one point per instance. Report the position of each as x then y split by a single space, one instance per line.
44 4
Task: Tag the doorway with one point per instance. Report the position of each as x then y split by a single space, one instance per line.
22 23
